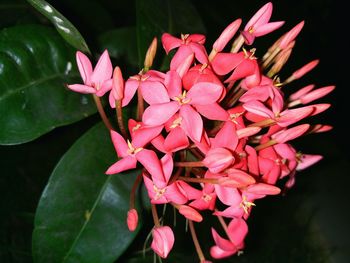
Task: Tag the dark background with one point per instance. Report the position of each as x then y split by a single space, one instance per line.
310 224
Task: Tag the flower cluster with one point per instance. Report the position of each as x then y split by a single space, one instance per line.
213 132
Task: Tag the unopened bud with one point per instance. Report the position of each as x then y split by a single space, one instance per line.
190 213
218 159
290 134
226 35
291 35
151 53
132 219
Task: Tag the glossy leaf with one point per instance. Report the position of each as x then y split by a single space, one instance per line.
35 63
155 17
81 215
62 24
120 43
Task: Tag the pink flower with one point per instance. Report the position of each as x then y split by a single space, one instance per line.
202 93
97 81
150 84
163 241
259 24
188 44
131 152
236 232
158 188
227 35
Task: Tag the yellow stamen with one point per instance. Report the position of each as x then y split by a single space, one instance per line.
246 204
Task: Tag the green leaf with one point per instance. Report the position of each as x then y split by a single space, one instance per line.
155 17
62 24
121 43
81 214
35 63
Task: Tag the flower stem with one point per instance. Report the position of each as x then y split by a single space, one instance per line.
189 164
155 215
102 112
198 180
265 145
133 190
140 105
237 44
263 123
118 108
195 241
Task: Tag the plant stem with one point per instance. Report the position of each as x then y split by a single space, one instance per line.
133 190
118 108
155 215
102 112
195 241
189 164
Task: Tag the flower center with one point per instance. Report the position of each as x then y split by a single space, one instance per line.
132 150
250 54
181 99
250 30
159 192
234 116
245 204
206 198
176 123
184 38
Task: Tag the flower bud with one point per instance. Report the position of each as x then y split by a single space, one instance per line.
226 35
291 35
132 219
190 213
163 240
151 53
218 159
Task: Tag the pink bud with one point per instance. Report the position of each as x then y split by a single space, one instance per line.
307 160
291 35
246 132
316 94
190 213
319 108
242 178
118 84
290 134
302 92
292 116
305 69
132 219
227 35
163 240
321 128
263 189
218 159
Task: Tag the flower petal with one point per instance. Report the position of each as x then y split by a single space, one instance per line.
131 86
223 63
84 66
119 143
158 114
192 122
212 112
150 161
204 93
103 69
154 92
82 88
170 42
126 163
176 140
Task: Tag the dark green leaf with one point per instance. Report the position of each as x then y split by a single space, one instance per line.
155 17
62 24
121 43
35 63
81 214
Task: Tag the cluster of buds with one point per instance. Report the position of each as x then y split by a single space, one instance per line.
213 132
